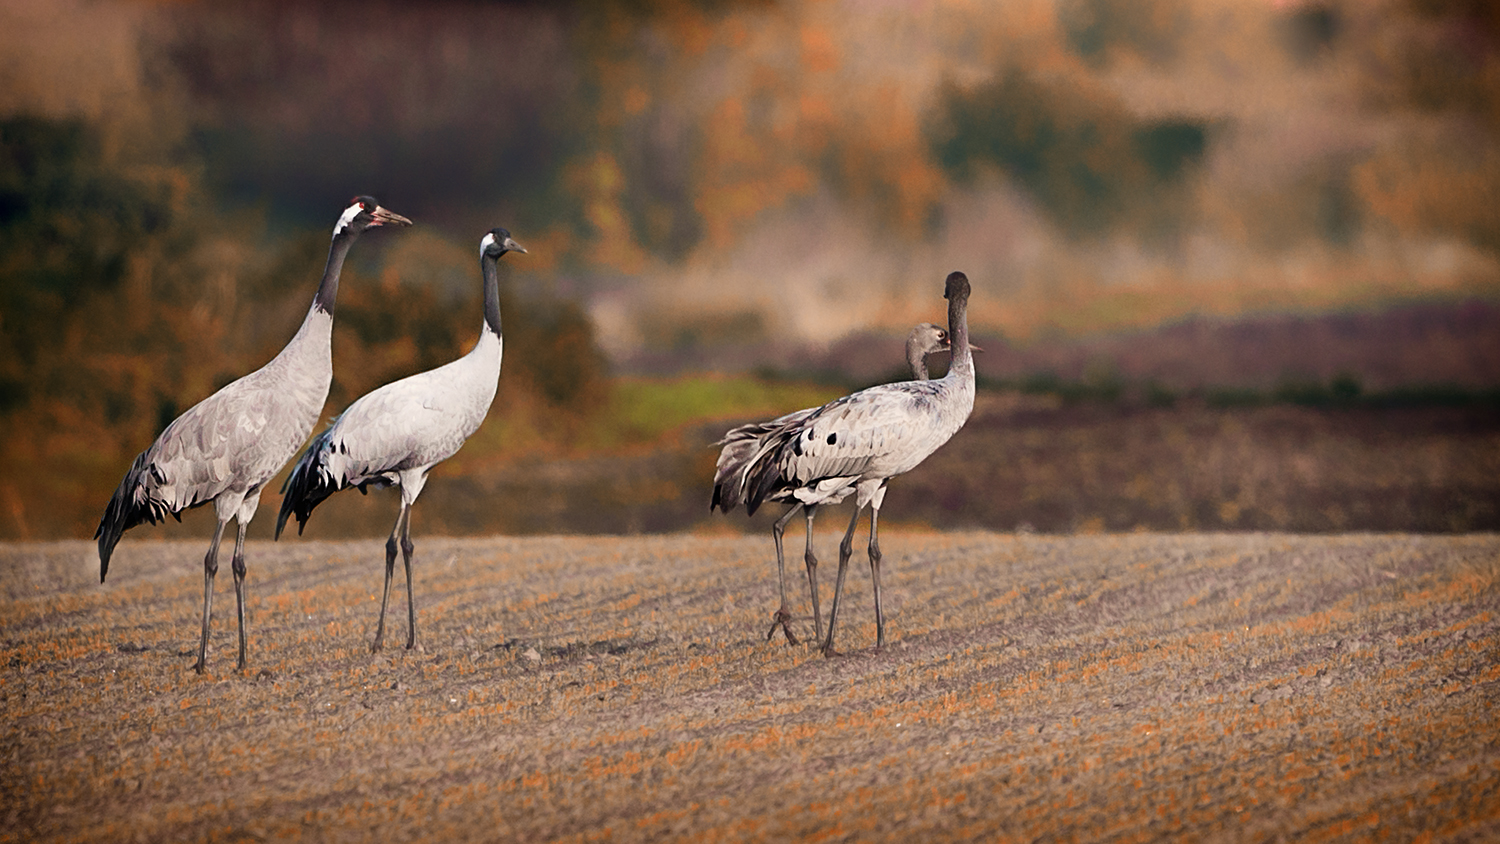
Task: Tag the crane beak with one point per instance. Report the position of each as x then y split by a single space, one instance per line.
388 218
511 246
948 346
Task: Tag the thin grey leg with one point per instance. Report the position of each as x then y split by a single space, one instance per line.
875 576
846 550
783 614
390 569
210 568
812 572
411 600
237 564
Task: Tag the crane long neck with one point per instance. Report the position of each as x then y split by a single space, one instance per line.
328 290
958 335
488 267
916 360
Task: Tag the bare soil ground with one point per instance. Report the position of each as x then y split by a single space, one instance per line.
1112 687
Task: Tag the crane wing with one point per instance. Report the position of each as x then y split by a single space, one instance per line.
231 438
416 421
881 431
846 437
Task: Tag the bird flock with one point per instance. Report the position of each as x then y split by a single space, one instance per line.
225 449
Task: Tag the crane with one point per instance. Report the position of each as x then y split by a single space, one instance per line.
226 447
857 443
742 446
395 434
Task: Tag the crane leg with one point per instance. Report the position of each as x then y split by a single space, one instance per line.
783 615
875 576
846 550
812 571
237 565
411 599
390 569
210 568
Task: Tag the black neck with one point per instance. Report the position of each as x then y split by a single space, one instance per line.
958 335
328 291
488 267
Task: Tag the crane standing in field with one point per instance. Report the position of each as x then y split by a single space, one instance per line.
861 441
395 434
227 446
742 446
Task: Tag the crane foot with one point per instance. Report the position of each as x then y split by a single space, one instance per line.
781 620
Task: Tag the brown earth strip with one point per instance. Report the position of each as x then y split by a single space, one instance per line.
1114 687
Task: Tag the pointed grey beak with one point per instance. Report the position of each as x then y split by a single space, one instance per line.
948 344
511 246
388 218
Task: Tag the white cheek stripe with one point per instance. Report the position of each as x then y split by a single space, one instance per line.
489 240
347 217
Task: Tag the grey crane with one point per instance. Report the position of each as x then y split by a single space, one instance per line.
741 447
225 448
395 434
859 442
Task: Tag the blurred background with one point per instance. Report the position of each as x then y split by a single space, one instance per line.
1236 265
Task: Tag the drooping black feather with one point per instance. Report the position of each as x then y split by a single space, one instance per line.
310 483
740 446
764 479
744 455
128 507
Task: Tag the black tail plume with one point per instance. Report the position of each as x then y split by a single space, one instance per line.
742 447
307 486
729 474
128 507
763 479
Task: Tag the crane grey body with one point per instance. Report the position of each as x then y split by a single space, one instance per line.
225 448
395 434
743 445
856 444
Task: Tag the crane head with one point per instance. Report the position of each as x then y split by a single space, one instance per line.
956 287
927 338
365 213
497 242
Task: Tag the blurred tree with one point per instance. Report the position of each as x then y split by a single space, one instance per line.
1439 59
550 344
1072 146
1169 146
1099 29
100 331
453 107
1310 30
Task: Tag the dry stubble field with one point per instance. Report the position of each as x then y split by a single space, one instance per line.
1118 687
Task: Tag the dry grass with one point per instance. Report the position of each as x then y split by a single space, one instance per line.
1121 687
